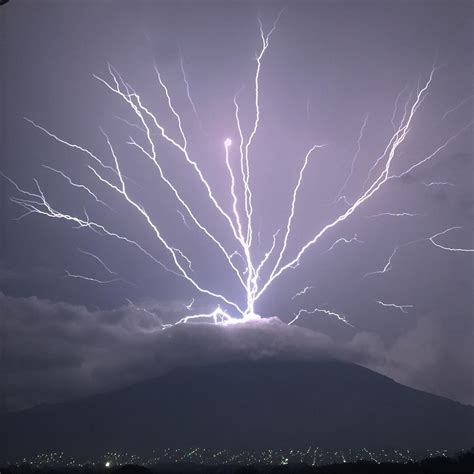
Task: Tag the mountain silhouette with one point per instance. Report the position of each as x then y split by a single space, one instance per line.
241 405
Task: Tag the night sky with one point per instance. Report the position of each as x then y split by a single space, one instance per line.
329 67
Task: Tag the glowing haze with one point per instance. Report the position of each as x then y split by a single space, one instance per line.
255 265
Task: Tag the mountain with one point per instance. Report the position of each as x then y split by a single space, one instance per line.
251 404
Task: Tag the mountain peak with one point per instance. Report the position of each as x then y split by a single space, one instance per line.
245 405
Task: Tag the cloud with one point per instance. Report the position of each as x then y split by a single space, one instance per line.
54 351
426 358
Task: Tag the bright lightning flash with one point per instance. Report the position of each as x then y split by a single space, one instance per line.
257 274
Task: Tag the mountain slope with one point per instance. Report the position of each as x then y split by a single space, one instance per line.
245 405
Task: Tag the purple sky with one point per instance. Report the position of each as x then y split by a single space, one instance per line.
329 65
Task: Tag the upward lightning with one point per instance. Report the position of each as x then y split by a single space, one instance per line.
254 273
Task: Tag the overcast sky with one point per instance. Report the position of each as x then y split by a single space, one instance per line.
329 67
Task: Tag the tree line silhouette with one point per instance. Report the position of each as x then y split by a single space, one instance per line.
462 463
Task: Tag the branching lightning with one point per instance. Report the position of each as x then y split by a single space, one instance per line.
444 247
387 267
253 274
190 305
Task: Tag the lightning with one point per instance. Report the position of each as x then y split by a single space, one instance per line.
382 178
395 108
188 90
437 183
254 269
77 185
403 308
302 292
190 305
142 309
130 124
434 153
98 259
327 312
95 280
183 218
395 214
387 267
456 107
344 199
444 247
343 240
354 159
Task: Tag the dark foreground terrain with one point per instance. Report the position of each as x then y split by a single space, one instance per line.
244 405
461 463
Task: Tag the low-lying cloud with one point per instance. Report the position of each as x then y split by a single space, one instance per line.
54 351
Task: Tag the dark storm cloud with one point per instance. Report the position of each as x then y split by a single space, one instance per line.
56 351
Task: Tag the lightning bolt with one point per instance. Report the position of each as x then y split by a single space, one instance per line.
302 292
387 267
292 211
253 274
183 218
438 183
344 200
456 107
394 143
434 153
98 259
76 185
450 249
395 109
338 316
146 311
354 159
402 308
190 305
395 214
95 280
130 124
188 91
345 241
